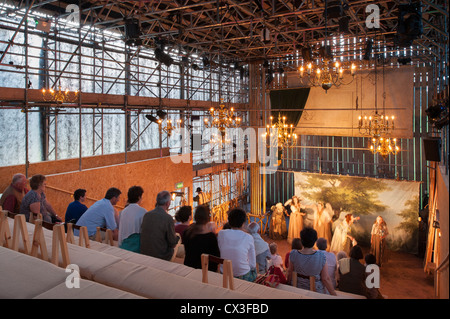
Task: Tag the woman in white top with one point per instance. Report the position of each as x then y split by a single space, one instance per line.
238 246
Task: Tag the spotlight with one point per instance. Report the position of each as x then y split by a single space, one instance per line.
368 50
434 112
307 54
404 61
205 61
269 77
163 57
161 114
151 118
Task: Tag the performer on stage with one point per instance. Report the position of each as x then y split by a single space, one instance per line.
295 219
278 222
342 241
322 222
377 240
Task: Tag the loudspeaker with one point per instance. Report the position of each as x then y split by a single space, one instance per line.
432 149
132 29
343 24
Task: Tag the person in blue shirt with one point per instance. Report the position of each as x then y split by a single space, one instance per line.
76 208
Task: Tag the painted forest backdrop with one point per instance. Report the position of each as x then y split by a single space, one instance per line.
396 201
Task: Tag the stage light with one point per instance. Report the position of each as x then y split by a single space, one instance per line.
151 118
368 50
161 114
163 57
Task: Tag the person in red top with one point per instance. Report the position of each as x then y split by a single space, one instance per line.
296 244
12 196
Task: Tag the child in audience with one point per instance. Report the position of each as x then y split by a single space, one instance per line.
372 293
261 247
276 259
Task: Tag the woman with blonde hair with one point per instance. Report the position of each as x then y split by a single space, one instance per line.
378 239
295 219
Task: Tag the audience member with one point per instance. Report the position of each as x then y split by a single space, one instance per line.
297 245
238 246
130 220
13 194
372 293
35 202
158 237
198 240
101 214
331 259
275 258
262 251
183 216
352 274
310 262
346 264
76 208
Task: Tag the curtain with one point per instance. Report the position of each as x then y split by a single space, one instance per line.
292 101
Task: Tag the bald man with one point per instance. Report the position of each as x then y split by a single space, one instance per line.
14 193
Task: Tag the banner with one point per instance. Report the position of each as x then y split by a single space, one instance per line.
396 201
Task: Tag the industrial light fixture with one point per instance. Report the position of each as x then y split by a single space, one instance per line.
59 95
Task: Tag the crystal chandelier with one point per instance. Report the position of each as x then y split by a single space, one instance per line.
384 146
327 74
169 126
222 118
379 127
59 96
286 136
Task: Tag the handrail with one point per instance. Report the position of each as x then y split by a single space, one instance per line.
444 263
71 194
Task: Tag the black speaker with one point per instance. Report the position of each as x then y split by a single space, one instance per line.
432 149
132 29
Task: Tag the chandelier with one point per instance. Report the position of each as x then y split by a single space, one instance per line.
379 127
169 125
286 136
384 146
327 74
222 118
59 96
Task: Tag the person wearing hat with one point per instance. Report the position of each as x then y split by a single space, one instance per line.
201 198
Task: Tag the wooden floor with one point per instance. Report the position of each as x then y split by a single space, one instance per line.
402 276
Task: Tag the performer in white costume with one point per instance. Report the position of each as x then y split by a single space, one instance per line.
322 222
342 241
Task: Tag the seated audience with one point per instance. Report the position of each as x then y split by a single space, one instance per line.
158 237
331 259
275 258
238 246
183 216
13 194
297 245
340 255
130 220
198 239
101 214
35 202
262 251
372 293
76 208
310 262
352 274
